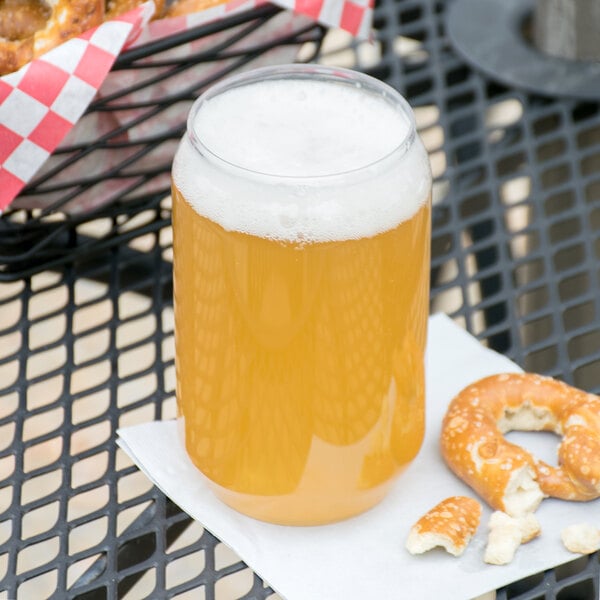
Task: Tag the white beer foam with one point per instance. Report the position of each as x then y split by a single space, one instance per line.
314 161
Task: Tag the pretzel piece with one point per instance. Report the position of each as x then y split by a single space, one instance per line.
69 18
37 26
450 524
20 19
581 538
507 476
507 534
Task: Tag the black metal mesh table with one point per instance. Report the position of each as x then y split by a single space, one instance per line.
86 308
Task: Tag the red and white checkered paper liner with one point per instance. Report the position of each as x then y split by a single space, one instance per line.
41 102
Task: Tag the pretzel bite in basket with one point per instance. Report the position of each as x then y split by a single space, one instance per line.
20 19
114 8
29 28
186 7
507 476
164 8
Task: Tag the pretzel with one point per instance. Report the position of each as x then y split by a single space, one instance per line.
450 524
29 28
508 477
20 19
164 8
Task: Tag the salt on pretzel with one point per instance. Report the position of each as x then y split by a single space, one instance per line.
450 524
32 27
507 476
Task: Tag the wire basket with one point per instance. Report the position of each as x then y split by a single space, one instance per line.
88 197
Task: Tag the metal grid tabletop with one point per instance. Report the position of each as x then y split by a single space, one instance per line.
86 323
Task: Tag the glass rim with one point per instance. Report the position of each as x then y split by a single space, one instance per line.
303 71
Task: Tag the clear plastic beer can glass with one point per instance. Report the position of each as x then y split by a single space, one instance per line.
301 227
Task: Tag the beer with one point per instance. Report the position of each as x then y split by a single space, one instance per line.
301 221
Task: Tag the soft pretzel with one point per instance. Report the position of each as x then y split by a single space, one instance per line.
32 27
507 476
20 19
29 28
450 524
14 54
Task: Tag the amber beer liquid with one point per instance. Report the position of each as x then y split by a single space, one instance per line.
301 217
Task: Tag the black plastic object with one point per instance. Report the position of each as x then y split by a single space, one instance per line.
86 347
491 35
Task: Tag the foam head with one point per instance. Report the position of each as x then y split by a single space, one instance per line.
303 153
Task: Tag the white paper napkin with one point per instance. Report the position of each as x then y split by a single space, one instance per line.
364 557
